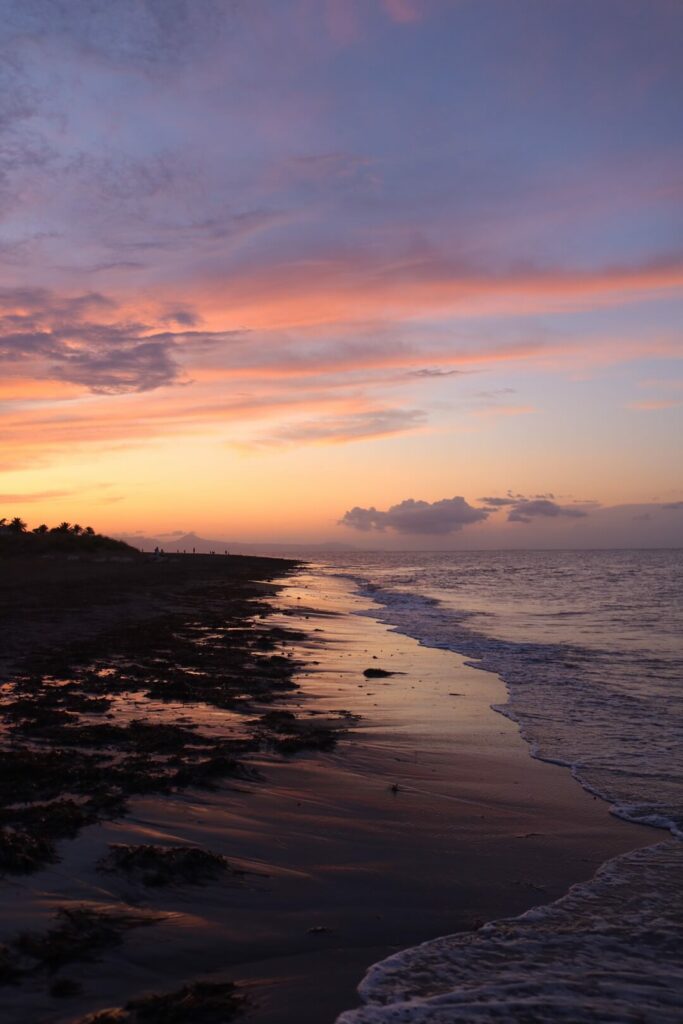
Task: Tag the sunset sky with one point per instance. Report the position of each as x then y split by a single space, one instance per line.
269 265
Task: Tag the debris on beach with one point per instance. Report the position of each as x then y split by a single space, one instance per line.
79 933
287 734
165 865
202 1003
22 853
94 717
77 754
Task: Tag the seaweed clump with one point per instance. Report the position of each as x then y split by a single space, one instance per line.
159 865
74 758
289 735
202 1003
21 852
80 933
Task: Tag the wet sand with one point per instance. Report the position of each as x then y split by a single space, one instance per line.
429 817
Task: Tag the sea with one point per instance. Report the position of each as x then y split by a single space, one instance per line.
590 647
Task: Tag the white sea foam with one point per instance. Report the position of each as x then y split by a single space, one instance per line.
608 951
589 646
582 708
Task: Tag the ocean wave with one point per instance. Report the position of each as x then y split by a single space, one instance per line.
611 711
575 706
608 951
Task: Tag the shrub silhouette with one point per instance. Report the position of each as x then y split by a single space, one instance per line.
67 539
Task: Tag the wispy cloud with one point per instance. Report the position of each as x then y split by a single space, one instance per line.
366 425
435 372
26 498
326 289
404 11
505 410
652 404
523 509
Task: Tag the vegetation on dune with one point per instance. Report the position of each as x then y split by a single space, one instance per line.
67 538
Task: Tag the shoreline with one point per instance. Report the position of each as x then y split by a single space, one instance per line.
473 779
329 846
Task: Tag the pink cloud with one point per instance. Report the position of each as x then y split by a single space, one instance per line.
403 11
370 424
336 287
343 21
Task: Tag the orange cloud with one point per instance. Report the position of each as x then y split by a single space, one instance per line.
16 389
108 421
651 404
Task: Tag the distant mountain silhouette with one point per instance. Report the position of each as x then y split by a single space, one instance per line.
191 541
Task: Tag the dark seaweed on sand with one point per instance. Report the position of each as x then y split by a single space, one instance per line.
79 933
288 734
66 766
159 865
200 1003
22 852
69 762
191 633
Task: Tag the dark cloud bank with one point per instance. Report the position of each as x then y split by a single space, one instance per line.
410 516
521 509
85 340
449 515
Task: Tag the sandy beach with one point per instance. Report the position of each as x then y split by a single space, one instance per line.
428 817
341 512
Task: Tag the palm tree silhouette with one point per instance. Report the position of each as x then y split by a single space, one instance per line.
17 525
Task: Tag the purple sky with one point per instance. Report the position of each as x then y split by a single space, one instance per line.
311 256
